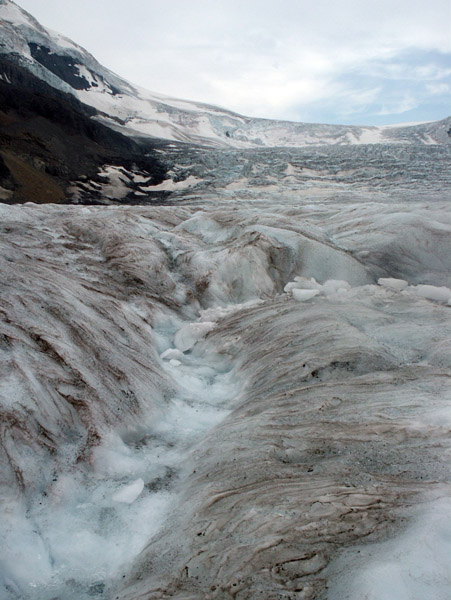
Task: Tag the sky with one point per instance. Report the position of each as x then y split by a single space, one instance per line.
336 61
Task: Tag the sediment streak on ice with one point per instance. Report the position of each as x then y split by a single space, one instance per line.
162 350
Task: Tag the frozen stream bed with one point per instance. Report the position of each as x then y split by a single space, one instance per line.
227 400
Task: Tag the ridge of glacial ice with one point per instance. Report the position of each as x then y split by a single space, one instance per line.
155 348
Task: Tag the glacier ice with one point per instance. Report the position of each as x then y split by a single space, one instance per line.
174 423
281 430
392 283
303 295
414 565
130 492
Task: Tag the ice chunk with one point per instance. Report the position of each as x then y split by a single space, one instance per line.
307 284
334 286
393 284
290 286
432 292
128 493
304 295
171 354
302 283
188 335
174 362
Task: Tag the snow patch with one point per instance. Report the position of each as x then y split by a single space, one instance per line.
116 187
368 135
85 73
171 186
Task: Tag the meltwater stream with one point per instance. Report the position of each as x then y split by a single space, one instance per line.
75 540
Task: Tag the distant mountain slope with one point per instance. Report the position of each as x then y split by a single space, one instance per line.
69 68
48 139
73 131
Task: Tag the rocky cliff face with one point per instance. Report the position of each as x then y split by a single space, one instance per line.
48 139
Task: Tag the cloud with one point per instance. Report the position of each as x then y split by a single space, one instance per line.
282 60
439 89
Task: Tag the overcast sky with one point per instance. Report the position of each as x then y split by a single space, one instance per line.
335 61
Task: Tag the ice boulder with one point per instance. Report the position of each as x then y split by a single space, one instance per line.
393 284
290 287
302 283
304 295
335 286
307 284
432 292
171 354
128 493
188 335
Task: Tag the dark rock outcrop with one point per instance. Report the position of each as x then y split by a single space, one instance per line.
49 138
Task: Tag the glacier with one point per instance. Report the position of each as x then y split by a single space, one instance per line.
176 425
225 355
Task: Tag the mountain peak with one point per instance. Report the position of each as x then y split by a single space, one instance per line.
136 112
12 13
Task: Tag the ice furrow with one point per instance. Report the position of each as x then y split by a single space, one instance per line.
183 418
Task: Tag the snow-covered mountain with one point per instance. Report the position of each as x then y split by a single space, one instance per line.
73 131
71 69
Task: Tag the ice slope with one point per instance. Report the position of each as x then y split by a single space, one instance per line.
244 394
69 68
264 175
175 424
